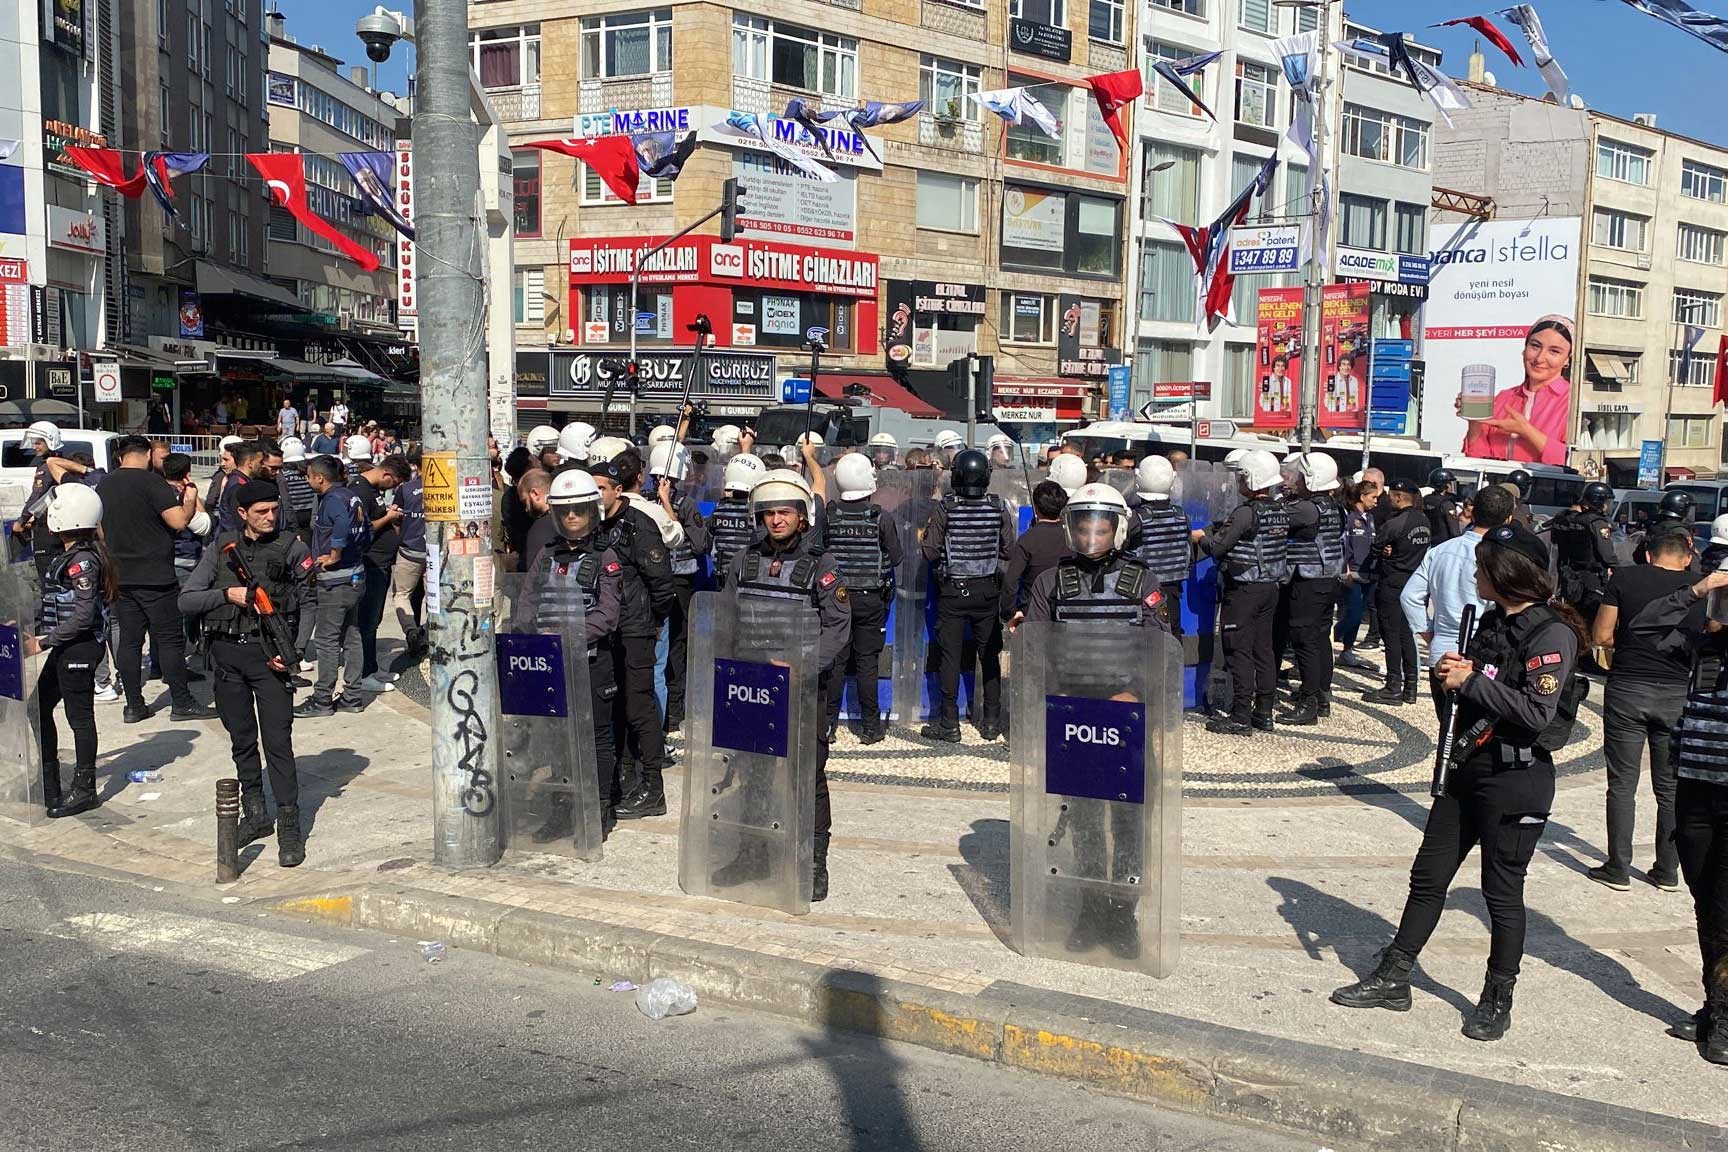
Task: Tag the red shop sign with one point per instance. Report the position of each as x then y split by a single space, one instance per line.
746 263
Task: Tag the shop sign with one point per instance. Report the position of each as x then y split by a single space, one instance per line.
1035 39
784 203
833 143
68 25
531 368
106 376
14 271
635 121
56 134
753 263
946 299
78 231
1261 248
743 335
1080 347
666 375
780 315
407 301
1033 219
1391 267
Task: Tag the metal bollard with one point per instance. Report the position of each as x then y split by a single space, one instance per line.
227 831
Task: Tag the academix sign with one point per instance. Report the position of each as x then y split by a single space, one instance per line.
1388 273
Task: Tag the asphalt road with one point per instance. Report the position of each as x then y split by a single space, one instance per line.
138 1019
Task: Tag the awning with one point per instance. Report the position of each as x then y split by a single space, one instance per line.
133 356
885 392
216 281
1610 367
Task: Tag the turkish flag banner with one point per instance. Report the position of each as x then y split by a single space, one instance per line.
285 173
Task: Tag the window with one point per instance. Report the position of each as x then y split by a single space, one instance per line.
1162 362
1703 309
947 203
530 295
1613 229
1237 398
1623 162
1700 368
1700 245
1375 135
1620 298
1028 318
627 44
1105 21
1307 19
1256 93
1608 431
1186 7
162 23
1167 284
1040 11
1161 93
1410 229
1257 16
794 57
1027 141
164 101
525 176
1097 247
1171 193
611 306
507 57
1364 221
192 41
1702 182
594 190
240 81
949 88
1689 431
782 318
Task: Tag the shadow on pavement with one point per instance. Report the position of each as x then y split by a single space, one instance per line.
325 776
158 750
865 1069
984 875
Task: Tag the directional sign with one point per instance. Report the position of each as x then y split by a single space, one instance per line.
1215 429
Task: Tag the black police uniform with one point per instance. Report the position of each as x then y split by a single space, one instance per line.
69 628
254 700
1584 551
1316 555
1701 840
650 595
686 561
1254 546
864 539
1158 537
967 539
1442 513
1401 542
731 527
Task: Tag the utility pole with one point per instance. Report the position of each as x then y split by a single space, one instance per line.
449 217
1314 278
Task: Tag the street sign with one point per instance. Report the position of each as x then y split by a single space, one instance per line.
1259 248
106 375
1121 377
1650 464
794 390
1214 429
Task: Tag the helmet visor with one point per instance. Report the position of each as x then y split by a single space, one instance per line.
1092 530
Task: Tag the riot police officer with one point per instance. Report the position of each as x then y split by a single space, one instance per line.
1523 481
884 451
731 527
1674 508
967 539
669 465
77 583
576 571
864 538
1158 534
1317 526
1441 505
782 563
1584 549
1402 541
1254 547
247 587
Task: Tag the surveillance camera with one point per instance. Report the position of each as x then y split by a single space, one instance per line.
379 33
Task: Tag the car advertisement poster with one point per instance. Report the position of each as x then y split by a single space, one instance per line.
1344 310
1277 357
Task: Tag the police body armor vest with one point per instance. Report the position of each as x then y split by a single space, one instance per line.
1506 741
565 601
796 581
1574 537
1263 557
301 501
683 558
267 561
1164 547
972 548
1083 596
854 538
734 528
1319 553
188 548
58 596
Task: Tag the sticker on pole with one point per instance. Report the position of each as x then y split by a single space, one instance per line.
438 477
1095 748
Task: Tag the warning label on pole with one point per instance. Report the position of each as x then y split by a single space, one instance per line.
438 475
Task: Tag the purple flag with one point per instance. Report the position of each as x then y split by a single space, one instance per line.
162 167
661 155
372 173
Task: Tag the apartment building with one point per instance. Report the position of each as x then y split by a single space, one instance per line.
944 235
1655 211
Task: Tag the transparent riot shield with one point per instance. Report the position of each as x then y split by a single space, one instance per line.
748 823
911 633
1096 796
1010 485
550 766
20 758
1121 479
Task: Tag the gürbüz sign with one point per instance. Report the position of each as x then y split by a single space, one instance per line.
725 375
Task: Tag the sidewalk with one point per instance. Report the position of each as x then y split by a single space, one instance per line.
1296 854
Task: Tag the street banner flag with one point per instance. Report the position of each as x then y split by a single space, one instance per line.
372 173
661 155
1435 84
160 168
1490 32
1720 395
1175 73
613 159
810 119
1688 344
285 175
1112 90
873 113
750 125
1209 247
1707 26
1016 106
107 166
1524 15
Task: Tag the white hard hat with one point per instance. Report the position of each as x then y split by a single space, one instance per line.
572 486
357 448
669 458
1259 469
227 442
1154 476
49 433
293 450
607 448
1090 501
948 438
1719 530
574 439
1319 471
742 472
540 438
782 487
726 437
1069 471
74 506
812 438
661 434
856 476
884 440
1000 440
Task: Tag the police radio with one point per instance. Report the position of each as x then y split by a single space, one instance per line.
278 640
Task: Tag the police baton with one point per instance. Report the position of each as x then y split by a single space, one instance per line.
1448 733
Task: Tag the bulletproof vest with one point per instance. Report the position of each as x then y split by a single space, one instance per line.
682 556
1105 593
58 596
188 548
1164 547
1263 555
1498 645
854 539
1318 553
301 501
570 586
1701 743
267 561
972 548
796 580
734 528
1574 535
352 470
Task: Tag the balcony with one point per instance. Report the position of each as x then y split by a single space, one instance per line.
763 97
951 133
652 90
512 104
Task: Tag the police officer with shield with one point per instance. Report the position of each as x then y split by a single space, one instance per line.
1317 524
1158 534
1254 546
864 538
1584 549
731 526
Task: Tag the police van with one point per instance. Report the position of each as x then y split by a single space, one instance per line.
1400 458
1553 488
1110 439
18 462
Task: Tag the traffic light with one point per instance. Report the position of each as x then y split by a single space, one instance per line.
731 203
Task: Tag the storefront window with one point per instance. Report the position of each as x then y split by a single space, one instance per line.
781 319
1028 318
525 170
1097 231
610 305
1061 231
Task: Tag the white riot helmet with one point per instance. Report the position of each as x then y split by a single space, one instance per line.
541 438
949 440
607 448
357 448
573 440
884 449
1719 530
814 439
1069 471
779 488
856 477
1154 477
669 458
1259 469
293 450
49 433
661 434
742 472
727 439
1095 520
572 488
1234 459
74 507
1001 448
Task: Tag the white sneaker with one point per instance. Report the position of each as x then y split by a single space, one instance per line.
108 694
387 677
374 684
308 665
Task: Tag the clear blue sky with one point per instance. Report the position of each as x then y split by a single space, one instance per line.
1619 60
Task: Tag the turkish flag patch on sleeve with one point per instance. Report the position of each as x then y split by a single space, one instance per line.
614 568
828 580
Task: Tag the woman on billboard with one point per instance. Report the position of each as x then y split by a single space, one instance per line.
1527 423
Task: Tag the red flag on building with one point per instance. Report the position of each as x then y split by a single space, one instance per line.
1486 26
285 173
107 166
1720 395
613 159
1112 90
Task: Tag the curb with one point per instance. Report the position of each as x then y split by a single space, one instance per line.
1166 1060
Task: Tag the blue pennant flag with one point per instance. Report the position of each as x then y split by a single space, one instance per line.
661 155
372 173
1173 72
161 167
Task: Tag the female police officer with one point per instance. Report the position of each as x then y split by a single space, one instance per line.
1500 780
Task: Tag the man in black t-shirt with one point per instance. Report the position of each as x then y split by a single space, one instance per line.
140 515
380 557
1650 617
